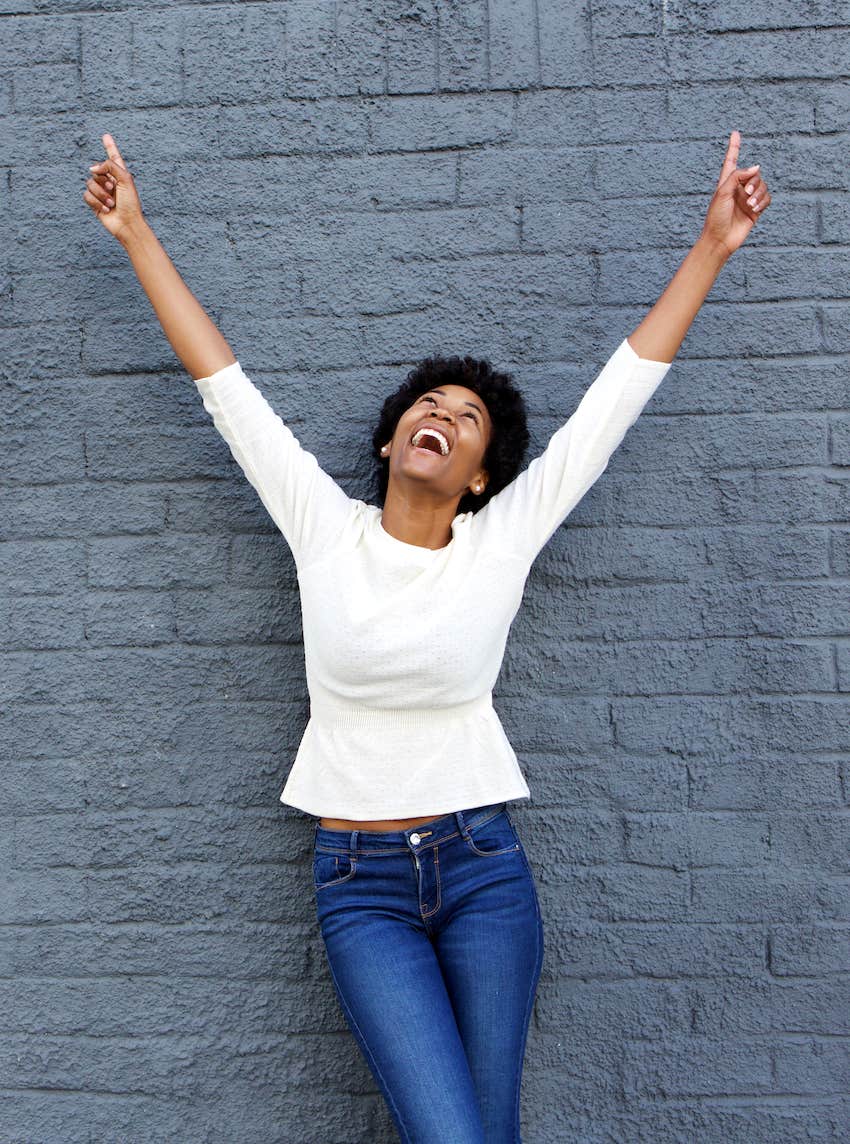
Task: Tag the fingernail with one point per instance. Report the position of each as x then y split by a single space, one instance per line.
749 188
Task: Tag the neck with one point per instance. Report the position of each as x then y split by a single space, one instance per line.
427 525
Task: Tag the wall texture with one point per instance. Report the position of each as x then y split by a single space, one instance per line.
347 187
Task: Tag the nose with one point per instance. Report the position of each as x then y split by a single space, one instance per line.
445 414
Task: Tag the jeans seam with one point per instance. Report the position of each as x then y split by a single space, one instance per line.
531 989
339 881
368 1052
431 913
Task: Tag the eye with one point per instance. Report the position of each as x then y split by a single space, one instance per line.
428 397
472 415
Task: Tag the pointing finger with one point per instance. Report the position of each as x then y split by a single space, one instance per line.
730 160
111 149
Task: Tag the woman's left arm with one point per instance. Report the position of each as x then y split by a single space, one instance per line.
740 199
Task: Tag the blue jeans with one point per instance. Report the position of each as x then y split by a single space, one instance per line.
435 945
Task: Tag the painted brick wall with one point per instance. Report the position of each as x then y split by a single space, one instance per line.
347 187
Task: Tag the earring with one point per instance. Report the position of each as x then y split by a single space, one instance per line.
385 451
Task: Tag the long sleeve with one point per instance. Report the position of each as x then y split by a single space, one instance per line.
306 504
522 517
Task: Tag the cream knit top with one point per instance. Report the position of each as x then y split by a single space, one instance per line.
403 644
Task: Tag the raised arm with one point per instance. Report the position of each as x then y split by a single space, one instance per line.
195 338
740 199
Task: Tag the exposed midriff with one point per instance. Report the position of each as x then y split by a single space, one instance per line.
376 824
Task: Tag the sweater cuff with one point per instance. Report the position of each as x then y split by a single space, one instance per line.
221 376
645 365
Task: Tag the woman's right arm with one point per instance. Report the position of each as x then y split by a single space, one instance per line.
305 502
195 338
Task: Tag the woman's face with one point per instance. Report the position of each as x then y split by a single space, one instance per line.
451 429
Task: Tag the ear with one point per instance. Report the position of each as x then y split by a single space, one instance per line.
479 483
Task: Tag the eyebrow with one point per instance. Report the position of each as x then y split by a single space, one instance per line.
442 393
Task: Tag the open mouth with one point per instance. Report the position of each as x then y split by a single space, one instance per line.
432 440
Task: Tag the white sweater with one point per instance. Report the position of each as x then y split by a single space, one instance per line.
403 644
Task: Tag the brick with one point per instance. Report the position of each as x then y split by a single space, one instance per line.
52 512
831 105
524 175
817 840
514 55
412 49
565 44
47 88
806 1065
685 1066
835 323
426 123
36 786
790 54
691 668
293 127
620 18
726 15
235 54
704 109
152 134
155 561
680 950
777 783
32 39
37 566
131 59
554 118
697 839
777 896
115 840
610 1011
360 48
809 950
631 61
462 45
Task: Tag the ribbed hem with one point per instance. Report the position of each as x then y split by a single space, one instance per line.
353 716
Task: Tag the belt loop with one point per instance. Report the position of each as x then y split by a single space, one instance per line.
461 823
352 843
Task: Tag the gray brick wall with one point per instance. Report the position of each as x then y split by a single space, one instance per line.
347 187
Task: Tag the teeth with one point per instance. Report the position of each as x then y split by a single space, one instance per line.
436 434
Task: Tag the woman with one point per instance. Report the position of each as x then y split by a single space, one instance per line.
425 898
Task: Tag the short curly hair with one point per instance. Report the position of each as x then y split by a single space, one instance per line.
509 440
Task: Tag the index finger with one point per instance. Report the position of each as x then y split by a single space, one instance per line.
730 160
111 149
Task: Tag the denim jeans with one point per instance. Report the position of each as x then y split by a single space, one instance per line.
435 944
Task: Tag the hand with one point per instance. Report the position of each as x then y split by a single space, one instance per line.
731 214
111 192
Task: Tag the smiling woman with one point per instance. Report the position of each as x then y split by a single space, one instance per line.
468 392
431 922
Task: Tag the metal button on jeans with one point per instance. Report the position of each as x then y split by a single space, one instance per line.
415 839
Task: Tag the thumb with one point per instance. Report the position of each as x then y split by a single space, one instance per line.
114 165
738 176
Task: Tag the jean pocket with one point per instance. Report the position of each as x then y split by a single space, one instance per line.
493 837
332 869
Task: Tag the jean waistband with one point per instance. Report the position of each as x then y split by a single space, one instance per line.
414 838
